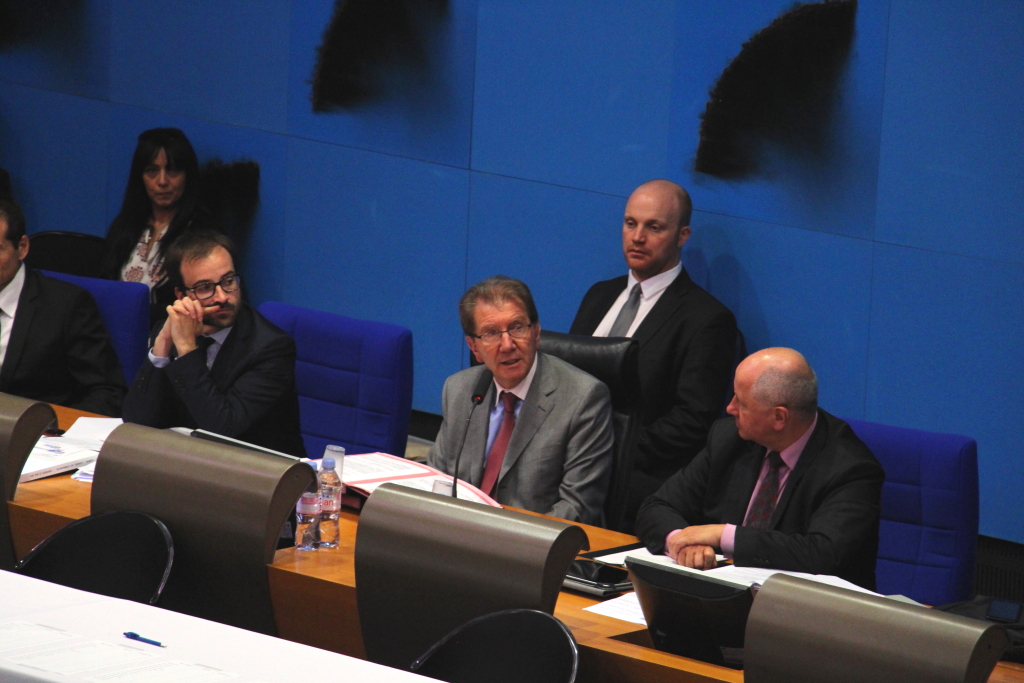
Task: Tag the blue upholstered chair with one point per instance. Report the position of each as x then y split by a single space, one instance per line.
354 379
929 529
124 307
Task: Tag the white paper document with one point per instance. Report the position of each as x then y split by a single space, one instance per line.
93 430
164 672
366 471
643 554
18 634
625 607
79 657
54 455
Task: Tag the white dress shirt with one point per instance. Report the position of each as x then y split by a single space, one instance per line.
498 409
651 290
9 296
218 338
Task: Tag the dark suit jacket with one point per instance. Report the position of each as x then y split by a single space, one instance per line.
560 455
249 394
687 354
59 350
826 521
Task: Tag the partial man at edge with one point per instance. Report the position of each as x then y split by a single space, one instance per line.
54 346
687 338
216 363
782 484
542 438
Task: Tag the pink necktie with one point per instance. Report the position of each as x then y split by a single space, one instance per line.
761 509
500 445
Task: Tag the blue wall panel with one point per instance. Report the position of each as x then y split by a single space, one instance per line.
225 61
946 334
66 48
427 118
557 240
836 194
952 168
790 287
383 238
262 265
574 93
54 147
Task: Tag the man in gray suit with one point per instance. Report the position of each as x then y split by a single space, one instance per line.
542 437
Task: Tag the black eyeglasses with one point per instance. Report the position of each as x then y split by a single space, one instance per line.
204 290
516 332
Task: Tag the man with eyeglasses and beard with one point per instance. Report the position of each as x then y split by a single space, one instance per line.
216 363
541 438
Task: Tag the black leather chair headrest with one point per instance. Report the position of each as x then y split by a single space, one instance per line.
611 360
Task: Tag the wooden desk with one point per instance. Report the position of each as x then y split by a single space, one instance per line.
315 601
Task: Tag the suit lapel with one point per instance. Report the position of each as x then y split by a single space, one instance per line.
748 467
27 304
665 310
598 306
536 408
810 453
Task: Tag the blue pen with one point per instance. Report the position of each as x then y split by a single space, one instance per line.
131 635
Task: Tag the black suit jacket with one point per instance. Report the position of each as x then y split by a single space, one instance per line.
687 353
826 521
59 350
248 394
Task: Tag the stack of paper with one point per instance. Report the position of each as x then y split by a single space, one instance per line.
365 472
79 447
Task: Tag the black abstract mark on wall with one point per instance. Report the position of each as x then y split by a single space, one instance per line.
231 194
55 23
780 90
363 40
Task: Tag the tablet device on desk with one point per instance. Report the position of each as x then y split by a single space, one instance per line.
228 441
596 578
692 614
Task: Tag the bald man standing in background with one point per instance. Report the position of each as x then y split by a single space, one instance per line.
781 484
687 338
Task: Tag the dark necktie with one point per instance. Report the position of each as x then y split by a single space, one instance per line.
625 318
203 344
761 509
500 445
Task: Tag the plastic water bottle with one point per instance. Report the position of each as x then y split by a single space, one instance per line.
331 489
307 518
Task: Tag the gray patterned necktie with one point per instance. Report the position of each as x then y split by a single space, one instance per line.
625 318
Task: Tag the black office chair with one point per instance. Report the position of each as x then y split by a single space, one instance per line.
124 555
74 253
514 646
614 362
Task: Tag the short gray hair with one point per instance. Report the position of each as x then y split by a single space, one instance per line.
495 290
795 389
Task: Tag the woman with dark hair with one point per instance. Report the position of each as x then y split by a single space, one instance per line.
160 203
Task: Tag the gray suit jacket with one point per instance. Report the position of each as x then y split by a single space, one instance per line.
559 459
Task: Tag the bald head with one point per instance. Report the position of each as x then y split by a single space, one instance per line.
784 378
669 194
776 397
655 226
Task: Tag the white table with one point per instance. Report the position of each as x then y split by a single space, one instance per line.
52 633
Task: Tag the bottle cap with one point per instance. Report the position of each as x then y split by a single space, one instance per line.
326 464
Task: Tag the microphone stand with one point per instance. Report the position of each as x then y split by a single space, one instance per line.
479 391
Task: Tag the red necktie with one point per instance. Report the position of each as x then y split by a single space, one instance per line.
761 509
500 445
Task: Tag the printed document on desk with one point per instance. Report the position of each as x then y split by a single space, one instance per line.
54 455
366 471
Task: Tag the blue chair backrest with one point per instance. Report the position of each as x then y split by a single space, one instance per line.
929 529
354 379
124 307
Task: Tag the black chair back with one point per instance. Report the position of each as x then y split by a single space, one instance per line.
613 361
124 555
514 646
74 253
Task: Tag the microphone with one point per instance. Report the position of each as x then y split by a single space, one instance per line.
479 391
